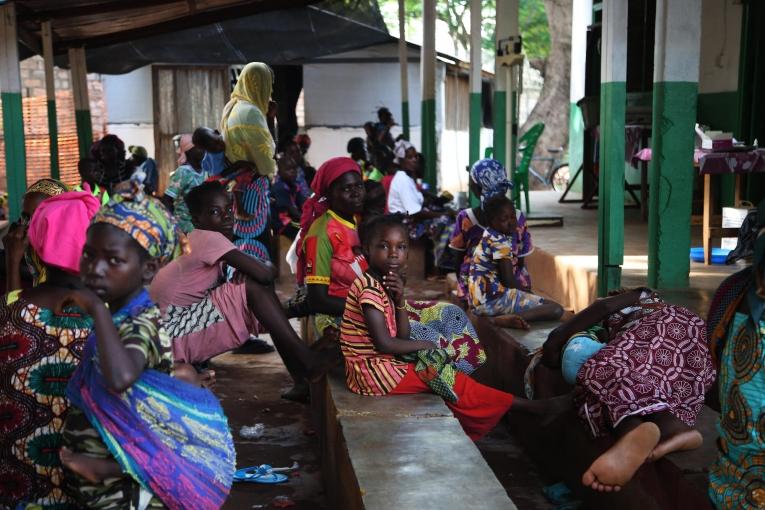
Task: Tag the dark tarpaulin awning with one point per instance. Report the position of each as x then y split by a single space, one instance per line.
276 36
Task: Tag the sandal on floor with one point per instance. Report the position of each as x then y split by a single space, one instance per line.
259 474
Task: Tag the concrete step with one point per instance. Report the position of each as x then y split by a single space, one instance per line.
402 451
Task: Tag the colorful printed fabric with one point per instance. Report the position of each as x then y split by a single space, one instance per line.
243 124
182 181
146 220
488 295
169 437
48 187
39 351
491 176
333 254
437 230
285 196
657 360
434 367
252 208
467 234
737 478
367 371
447 326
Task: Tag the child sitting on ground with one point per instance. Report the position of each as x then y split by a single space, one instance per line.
187 176
210 141
287 198
496 290
129 432
205 315
380 358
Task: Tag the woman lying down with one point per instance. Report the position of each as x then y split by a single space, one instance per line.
640 368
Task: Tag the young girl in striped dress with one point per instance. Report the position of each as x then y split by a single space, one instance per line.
380 358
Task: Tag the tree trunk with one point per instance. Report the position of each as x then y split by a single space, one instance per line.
552 108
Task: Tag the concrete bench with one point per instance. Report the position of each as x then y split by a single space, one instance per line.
403 451
565 449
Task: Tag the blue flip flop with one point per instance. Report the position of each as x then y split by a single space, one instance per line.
259 474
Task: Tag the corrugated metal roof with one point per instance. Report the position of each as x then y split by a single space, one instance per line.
122 36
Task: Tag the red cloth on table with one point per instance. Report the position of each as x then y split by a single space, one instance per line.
478 409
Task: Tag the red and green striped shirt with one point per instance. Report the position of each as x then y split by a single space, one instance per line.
367 371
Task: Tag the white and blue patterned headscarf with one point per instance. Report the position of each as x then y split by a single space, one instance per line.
491 176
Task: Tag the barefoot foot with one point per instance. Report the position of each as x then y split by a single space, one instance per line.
616 467
687 440
510 321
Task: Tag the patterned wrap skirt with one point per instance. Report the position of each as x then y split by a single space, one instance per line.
660 362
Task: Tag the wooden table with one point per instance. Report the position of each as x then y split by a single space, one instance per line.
721 163
708 164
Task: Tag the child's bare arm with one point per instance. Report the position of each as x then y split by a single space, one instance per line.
394 286
120 366
507 273
262 272
385 343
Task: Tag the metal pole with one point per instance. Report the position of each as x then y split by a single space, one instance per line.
580 20
428 84
403 58
81 101
502 32
50 90
13 119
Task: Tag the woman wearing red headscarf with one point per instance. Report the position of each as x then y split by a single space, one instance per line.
329 251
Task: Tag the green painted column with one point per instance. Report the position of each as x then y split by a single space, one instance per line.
13 119
403 58
675 90
50 90
81 100
428 84
581 18
476 113
613 100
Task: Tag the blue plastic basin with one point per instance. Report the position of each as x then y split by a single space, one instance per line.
718 255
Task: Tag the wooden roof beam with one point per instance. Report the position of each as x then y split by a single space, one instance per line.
200 19
90 10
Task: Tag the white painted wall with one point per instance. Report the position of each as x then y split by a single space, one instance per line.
341 97
720 45
130 107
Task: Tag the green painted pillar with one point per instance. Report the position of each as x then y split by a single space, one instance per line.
675 90
476 113
428 84
580 20
81 100
613 99
403 58
13 119
50 90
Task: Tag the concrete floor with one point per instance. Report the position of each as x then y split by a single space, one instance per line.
249 387
565 263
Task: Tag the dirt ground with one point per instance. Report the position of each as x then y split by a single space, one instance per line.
249 387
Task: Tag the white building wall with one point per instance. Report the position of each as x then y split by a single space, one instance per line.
130 107
341 96
720 45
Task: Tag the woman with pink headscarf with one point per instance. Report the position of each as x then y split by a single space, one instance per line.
39 350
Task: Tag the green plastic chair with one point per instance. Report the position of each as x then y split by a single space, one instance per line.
526 146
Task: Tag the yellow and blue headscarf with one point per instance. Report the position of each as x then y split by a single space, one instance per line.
146 220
